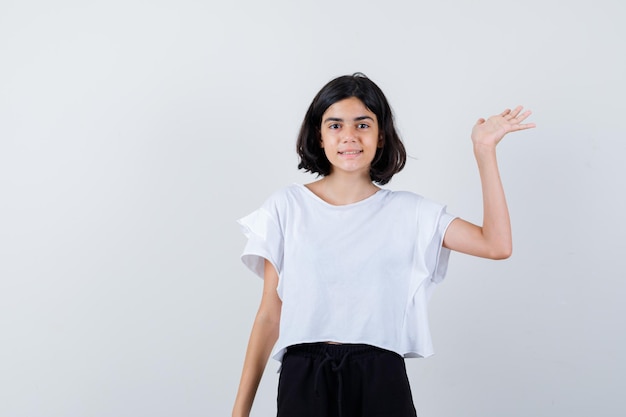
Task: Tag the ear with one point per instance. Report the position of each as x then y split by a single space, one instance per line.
381 142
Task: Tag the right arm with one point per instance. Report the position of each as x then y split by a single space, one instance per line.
262 339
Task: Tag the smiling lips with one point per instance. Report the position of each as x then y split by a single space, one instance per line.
350 152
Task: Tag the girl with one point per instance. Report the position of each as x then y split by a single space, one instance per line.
348 267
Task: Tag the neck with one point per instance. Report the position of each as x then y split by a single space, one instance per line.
343 189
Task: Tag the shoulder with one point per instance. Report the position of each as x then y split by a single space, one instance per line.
285 194
404 199
418 198
422 206
282 199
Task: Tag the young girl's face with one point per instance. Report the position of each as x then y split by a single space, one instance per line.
350 136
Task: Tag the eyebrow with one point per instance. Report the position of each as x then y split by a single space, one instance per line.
356 119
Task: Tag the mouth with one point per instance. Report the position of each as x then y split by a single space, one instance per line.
350 152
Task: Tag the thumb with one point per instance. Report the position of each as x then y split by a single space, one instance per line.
480 121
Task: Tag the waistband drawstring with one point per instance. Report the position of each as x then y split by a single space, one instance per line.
336 368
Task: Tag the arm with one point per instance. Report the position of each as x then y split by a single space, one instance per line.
262 338
493 239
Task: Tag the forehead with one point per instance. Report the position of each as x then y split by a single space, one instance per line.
350 107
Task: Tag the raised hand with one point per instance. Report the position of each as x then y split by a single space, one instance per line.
491 131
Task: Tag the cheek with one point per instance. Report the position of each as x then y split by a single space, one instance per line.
326 141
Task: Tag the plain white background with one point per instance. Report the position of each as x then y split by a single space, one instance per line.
133 134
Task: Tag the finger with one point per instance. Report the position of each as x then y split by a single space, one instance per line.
523 116
505 112
516 111
524 126
480 121
512 116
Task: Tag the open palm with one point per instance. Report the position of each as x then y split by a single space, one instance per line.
490 132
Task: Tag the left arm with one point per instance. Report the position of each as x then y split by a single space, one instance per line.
493 239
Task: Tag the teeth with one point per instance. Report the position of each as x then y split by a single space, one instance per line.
351 152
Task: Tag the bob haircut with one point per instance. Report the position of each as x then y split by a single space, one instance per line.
389 159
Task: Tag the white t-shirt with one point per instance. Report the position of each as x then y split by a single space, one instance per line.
357 273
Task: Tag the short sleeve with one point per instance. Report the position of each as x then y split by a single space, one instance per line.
432 257
265 241
440 260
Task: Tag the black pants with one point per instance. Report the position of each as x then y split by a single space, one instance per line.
323 380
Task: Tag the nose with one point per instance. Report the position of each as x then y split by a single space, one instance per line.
349 135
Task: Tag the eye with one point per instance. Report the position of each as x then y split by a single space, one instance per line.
363 125
334 126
